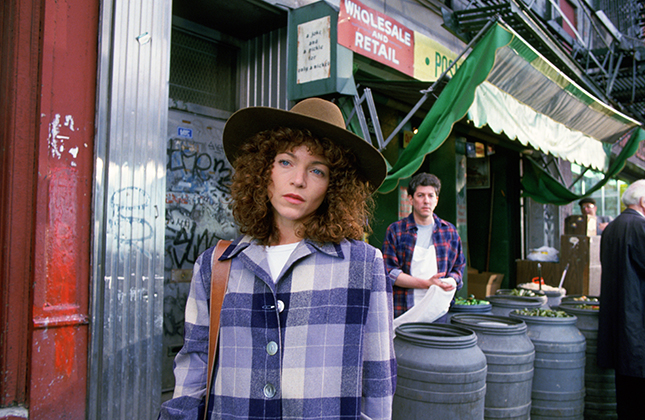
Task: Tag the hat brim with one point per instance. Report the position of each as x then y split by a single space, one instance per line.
247 122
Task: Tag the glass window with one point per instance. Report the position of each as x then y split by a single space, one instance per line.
607 198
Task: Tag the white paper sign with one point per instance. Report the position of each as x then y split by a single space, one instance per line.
314 50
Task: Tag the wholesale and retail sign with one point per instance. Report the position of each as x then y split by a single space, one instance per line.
375 35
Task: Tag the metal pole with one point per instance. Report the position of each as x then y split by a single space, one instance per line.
375 121
578 178
440 78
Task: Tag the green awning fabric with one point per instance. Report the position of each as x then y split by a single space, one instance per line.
508 86
544 188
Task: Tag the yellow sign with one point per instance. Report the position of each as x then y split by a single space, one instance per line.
431 58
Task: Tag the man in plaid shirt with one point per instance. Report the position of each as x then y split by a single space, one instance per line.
421 249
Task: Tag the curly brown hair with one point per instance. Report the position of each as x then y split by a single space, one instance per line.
344 212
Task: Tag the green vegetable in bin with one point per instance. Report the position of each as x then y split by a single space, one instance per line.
592 307
548 313
585 299
470 300
523 292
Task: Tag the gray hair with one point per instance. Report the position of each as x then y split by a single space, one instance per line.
634 193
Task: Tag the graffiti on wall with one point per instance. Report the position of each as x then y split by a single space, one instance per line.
197 215
197 193
128 223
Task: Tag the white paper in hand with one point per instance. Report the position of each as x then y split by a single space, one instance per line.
434 305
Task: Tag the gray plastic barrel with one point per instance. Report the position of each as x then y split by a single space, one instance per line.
559 368
441 373
573 298
504 304
600 385
510 355
483 309
554 297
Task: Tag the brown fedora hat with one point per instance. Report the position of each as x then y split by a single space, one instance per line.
323 118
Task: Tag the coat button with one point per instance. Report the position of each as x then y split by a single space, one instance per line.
269 391
280 306
272 348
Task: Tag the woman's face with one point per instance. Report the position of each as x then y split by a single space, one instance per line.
299 182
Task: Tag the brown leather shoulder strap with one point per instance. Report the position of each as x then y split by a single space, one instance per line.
219 280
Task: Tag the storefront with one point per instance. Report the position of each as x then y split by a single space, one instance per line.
480 126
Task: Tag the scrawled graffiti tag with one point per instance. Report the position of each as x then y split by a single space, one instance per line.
197 201
128 223
190 167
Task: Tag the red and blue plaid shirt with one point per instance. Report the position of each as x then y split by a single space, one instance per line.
400 239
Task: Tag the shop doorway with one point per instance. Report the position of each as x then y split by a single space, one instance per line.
203 94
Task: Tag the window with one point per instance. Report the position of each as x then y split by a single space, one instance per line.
607 198
569 12
202 71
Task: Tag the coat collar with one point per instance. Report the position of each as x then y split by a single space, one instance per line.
251 246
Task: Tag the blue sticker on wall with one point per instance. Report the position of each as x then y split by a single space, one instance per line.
186 133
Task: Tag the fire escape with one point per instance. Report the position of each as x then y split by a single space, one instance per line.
607 60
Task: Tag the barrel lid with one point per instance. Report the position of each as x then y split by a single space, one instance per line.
574 309
511 301
471 308
491 324
544 319
436 335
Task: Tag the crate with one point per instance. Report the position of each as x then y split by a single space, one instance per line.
483 284
580 225
583 255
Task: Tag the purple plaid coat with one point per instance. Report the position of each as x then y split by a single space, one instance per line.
316 344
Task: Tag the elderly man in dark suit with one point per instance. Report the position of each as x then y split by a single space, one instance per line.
621 331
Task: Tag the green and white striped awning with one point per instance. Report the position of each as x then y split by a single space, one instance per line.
508 86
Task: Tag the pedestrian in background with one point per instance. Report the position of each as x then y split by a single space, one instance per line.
588 207
306 322
621 329
421 249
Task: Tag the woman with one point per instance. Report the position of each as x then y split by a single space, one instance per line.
306 322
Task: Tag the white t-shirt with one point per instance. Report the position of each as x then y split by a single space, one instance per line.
424 235
277 257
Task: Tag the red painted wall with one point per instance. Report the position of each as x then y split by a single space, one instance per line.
47 155
20 25
58 379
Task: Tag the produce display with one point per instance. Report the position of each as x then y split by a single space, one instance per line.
592 307
585 299
523 292
544 287
549 313
470 300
